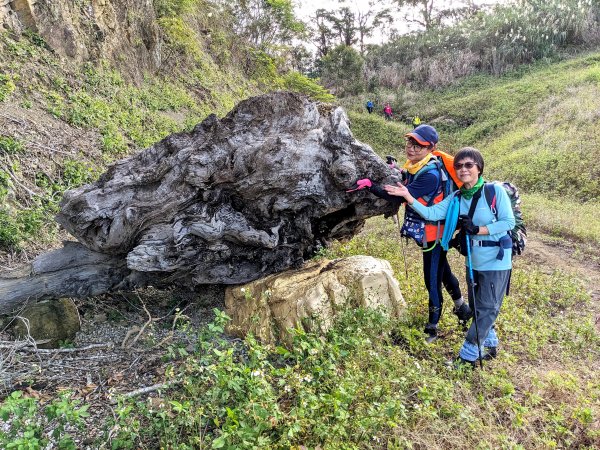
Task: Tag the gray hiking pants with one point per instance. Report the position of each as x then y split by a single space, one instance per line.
490 287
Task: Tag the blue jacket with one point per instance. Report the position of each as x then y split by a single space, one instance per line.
483 258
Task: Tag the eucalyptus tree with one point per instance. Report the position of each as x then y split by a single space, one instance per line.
429 14
348 25
264 23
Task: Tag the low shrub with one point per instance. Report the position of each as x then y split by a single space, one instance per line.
10 235
7 86
10 145
297 82
28 425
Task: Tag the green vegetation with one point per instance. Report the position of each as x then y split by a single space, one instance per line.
454 42
10 145
372 382
7 86
385 137
343 68
27 429
537 128
33 222
293 81
9 231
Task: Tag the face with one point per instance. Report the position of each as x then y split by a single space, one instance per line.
467 171
414 152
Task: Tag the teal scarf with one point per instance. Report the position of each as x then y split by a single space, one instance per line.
451 221
468 193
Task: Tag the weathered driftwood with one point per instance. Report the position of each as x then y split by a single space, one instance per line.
236 199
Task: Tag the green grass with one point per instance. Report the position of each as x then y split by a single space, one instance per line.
385 137
537 128
570 220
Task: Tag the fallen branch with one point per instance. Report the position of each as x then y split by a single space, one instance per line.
45 147
15 180
147 390
25 347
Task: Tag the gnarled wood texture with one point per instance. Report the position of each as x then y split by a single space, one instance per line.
236 199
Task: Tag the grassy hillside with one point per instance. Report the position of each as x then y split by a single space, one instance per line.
537 128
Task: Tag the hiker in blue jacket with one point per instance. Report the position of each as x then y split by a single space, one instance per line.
423 180
369 106
490 243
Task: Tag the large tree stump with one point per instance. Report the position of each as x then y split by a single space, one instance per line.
236 199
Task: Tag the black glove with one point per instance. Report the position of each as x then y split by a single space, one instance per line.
466 224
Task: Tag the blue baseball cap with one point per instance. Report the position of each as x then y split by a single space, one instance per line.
424 135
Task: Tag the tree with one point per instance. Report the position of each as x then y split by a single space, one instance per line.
343 22
342 70
432 13
300 60
322 33
265 23
346 26
368 21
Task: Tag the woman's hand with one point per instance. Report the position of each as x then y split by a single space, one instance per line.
399 191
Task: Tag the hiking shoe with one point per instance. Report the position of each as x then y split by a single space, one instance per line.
431 333
491 353
459 363
463 312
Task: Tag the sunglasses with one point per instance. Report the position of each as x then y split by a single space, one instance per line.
468 165
414 145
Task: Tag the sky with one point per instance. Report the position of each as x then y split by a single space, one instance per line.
305 8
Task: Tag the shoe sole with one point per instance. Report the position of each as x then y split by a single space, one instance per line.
431 339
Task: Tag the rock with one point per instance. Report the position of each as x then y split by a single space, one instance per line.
310 297
49 320
123 31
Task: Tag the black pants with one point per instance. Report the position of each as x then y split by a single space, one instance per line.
436 271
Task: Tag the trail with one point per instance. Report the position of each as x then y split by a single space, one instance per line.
549 256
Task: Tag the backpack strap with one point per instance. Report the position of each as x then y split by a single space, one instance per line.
474 202
431 165
490 197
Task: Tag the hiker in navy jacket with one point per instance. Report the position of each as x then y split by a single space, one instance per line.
490 246
423 181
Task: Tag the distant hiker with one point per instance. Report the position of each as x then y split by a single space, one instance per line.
416 121
387 111
370 106
422 176
484 236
